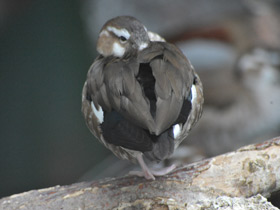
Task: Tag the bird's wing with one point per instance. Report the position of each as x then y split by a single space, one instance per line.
93 97
195 112
173 80
112 85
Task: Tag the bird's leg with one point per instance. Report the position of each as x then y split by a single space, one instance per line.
145 169
149 173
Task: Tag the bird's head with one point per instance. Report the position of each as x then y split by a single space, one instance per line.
121 36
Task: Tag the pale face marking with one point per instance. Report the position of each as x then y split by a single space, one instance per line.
177 129
119 32
118 50
98 113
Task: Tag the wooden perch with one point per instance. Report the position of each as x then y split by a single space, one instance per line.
236 179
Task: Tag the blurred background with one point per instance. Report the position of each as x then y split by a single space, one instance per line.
46 48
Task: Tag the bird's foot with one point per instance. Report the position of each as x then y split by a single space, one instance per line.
151 173
147 174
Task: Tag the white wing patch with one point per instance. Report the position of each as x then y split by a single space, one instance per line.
119 32
142 46
194 93
177 129
118 50
98 113
154 37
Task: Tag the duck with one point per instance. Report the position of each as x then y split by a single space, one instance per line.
142 96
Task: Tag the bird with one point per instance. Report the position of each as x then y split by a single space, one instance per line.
141 96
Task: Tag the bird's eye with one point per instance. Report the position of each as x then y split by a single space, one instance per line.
122 39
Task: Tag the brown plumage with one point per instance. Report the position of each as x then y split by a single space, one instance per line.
141 96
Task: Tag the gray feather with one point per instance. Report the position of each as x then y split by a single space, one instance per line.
162 87
167 112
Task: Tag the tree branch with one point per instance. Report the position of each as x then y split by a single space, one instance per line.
220 181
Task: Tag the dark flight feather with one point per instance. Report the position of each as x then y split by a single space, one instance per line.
120 132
